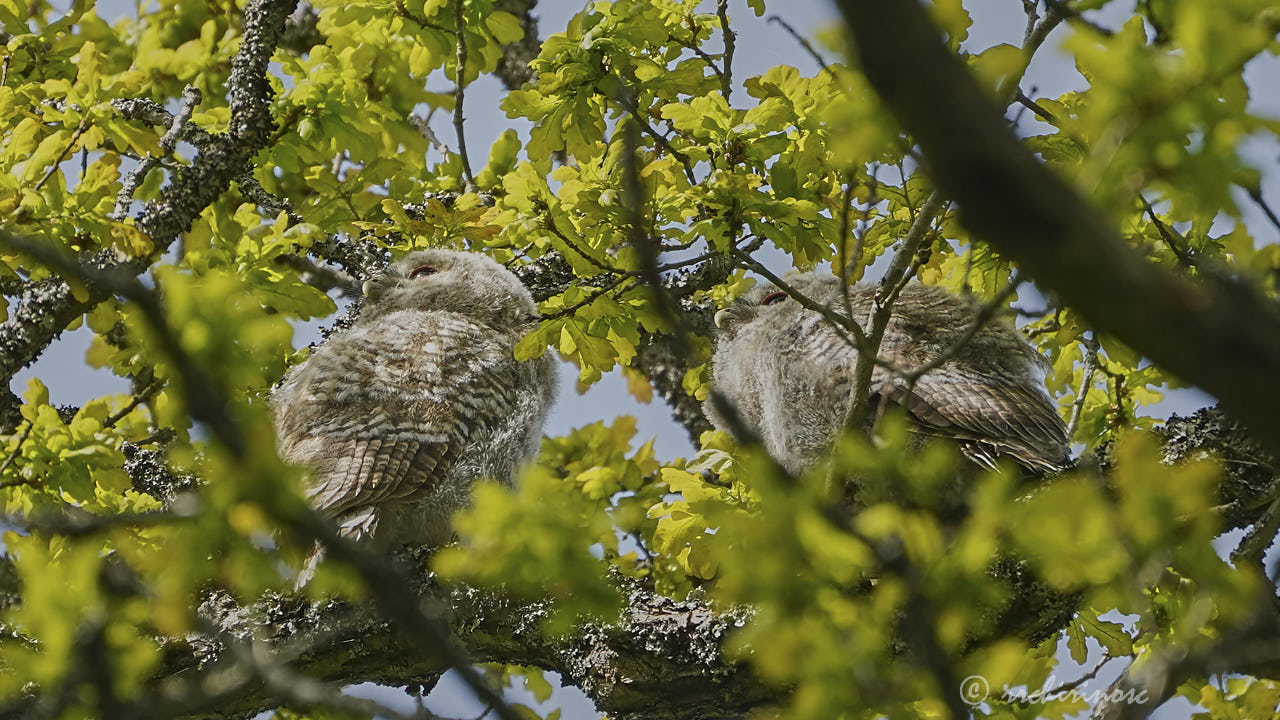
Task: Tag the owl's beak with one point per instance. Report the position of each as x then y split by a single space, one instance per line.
365 287
722 318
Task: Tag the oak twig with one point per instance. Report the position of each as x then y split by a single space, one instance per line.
460 37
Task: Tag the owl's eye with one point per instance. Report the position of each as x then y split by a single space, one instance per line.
422 270
773 297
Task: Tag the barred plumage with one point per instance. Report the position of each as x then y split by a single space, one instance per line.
399 414
789 375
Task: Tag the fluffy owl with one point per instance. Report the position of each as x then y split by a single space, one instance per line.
790 375
399 414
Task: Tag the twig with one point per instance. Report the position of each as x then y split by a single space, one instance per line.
638 237
846 327
665 267
1053 325
137 400
1177 244
601 292
1035 107
693 47
1086 382
1038 32
459 32
320 277
808 47
191 97
1074 16
900 270
1255 194
846 263
256 194
423 126
177 128
153 114
1260 536
864 224
726 77
1031 9
551 226
26 432
1067 687
84 125
634 110
984 315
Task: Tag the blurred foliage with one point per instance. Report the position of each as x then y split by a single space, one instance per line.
782 161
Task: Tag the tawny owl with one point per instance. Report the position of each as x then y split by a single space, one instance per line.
789 374
399 414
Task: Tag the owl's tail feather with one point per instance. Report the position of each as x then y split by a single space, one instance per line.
355 525
309 567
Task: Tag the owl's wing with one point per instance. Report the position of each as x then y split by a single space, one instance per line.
1006 417
381 415
375 468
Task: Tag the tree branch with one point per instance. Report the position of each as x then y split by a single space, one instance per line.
48 306
1086 383
1217 333
661 660
726 75
460 73
191 97
901 268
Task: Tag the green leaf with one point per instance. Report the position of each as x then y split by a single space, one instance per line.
504 26
502 158
997 64
1110 635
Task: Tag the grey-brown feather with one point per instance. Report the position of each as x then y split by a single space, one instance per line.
789 373
397 416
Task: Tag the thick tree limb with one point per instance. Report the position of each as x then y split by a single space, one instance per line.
1217 334
1251 474
662 659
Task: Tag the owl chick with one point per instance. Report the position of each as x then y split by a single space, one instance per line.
789 374
399 414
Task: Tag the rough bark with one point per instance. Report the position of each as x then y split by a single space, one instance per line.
662 659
